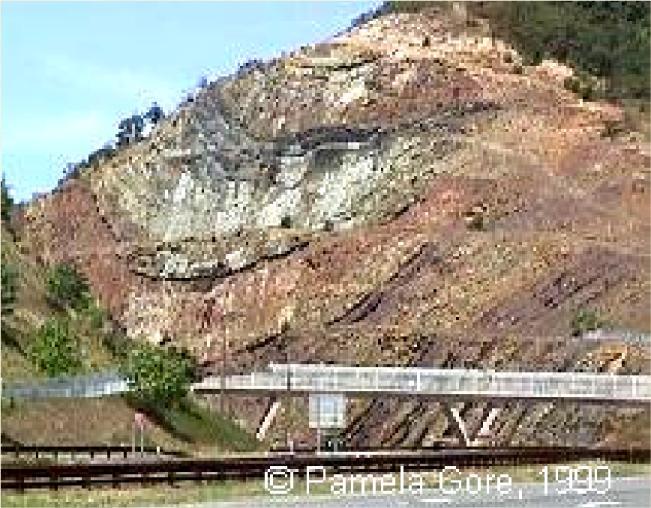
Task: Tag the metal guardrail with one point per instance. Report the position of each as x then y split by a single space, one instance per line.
92 451
456 383
86 475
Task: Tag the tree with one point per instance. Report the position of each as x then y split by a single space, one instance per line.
158 375
130 129
106 152
155 113
7 201
55 349
66 288
605 39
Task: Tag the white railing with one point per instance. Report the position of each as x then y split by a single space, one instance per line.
368 381
96 385
432 382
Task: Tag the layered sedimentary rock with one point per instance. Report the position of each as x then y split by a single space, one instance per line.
400 192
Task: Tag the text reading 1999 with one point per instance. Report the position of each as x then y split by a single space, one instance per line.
576 480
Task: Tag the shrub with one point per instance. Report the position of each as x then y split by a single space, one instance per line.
329 226
130 130
585 320
588 92
605 39
66 288
612 128
96 315
55 349
476 219
7 201
104 153
572 84
286 222
585 86
406 6
155 113
476 223
158 375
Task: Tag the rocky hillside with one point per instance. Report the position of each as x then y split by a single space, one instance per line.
407 192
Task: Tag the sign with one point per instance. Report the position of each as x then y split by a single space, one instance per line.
140 420
327 411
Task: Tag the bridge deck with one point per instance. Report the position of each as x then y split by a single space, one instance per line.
300 379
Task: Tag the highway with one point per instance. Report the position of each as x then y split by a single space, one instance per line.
624 493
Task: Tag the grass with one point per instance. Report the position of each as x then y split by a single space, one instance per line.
109 420
136 496
32 308
189 427
636 118
192 423
164 495
15 365
106 420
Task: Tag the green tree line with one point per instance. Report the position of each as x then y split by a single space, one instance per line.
609 40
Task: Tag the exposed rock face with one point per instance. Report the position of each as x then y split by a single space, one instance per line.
401 191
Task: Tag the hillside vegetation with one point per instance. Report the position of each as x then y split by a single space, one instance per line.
53 326
42 333
609 40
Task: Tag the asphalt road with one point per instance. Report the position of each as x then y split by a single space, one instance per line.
623 493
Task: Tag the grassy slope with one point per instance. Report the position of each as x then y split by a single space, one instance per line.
31 309
109 421
90 421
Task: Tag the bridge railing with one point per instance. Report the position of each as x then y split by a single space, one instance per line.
320 378
94 385
399 380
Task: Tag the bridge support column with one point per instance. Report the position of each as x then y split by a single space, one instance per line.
484 429
470 437
456 422
267 419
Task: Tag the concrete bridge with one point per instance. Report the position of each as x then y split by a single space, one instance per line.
434 383
328 386
443 384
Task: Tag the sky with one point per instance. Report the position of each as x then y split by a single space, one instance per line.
72 70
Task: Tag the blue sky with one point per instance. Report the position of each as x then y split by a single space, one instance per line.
71 71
